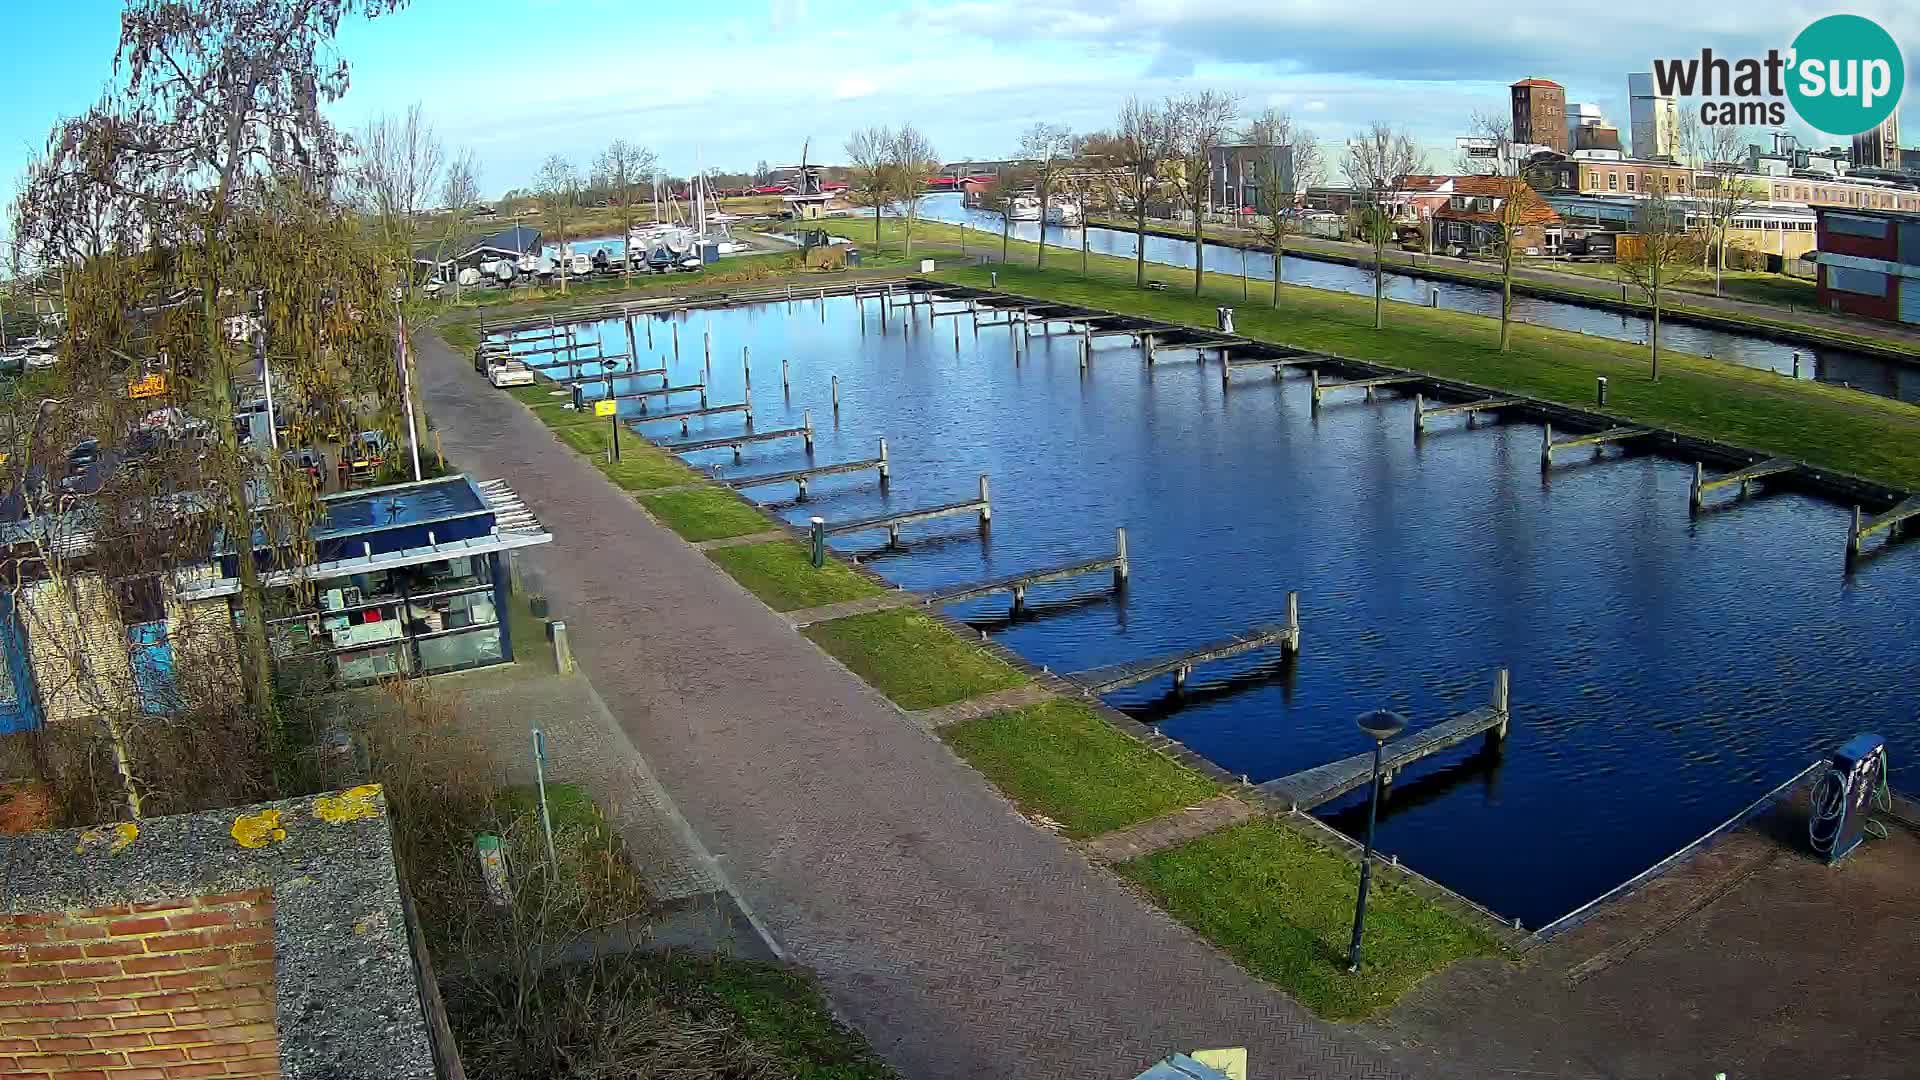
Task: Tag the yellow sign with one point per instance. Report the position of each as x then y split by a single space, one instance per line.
1232 1061
154 385
605 408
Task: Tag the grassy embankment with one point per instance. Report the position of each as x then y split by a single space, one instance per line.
1828 426
1777 290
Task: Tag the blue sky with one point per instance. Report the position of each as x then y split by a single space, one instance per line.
730 84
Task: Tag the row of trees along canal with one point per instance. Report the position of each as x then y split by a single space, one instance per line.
1168 151
202 221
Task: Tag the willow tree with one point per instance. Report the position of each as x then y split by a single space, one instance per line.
216 110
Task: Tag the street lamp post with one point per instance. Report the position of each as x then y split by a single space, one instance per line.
1380 725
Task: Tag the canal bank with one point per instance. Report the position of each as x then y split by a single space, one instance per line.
1682 306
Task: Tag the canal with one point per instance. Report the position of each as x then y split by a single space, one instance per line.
1871 374
1666 669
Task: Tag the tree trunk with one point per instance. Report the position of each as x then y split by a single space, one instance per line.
1040 257
258 665
1279 253
123 764
909 228
1506 295
1006 229
876 225
1199 247
1379 279
1653 335
1140 237
1085 238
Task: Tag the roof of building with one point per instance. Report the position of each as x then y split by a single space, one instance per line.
1539 82
1862 211
1533 209
314 878
516 239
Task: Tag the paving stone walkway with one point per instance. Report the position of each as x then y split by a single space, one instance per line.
963 941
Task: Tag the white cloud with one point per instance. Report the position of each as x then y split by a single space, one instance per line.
853 86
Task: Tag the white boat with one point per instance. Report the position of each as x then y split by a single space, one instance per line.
1063 213
579 264
1025 208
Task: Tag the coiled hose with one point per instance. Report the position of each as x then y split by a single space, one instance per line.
1830 807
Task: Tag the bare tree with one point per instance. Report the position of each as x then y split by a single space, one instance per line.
559 189
461 194
1139 145
1289 162
213 97
397 168
1660 253
1000 196
913 159
1377 165
1722 193
623 168
870 157
1200 124
1046 149
1514 201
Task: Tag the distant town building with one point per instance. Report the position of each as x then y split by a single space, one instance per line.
1654 119
1240 170
1474 217
1596 137
1540 113
1879 148
1870 264
1581 114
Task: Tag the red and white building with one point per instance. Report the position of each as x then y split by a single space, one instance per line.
1870 263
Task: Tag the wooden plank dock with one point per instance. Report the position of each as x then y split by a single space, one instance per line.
735 442
802 477
1278 359
1369 384
1891 520
891 522
1310 788
1549 444
1702 483
1423 411
664 391
1018 583
588 380
1102 680
683 415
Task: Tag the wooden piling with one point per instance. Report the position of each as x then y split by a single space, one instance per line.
786 387
1314 375
633 350
676 341
836 395
1291 643
746 367
1420 414
1853 534
886 473
1546 449
1499 704
986 504
806 419
1121 571
1694 496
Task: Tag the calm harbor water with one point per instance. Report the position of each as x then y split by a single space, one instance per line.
1666 670
1886 378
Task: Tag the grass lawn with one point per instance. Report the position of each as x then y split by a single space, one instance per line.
707 514
1283 906
1829 426
1059 759
784 1012
641 467
781 574
910 658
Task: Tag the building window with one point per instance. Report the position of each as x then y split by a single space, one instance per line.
427 618
1860 282
1629 181
1613 181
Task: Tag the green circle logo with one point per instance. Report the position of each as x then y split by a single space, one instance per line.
1847 74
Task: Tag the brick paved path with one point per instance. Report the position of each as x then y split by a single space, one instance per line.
961 940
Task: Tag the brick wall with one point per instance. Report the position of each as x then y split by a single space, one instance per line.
154 991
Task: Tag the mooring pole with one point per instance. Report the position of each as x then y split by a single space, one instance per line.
746 368
1120 569
1693 490
1293 621
885 473
817 527
1546 449
986 503
807 420
1420 413
786 387
676 341
836 395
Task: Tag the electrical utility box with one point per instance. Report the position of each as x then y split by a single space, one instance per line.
1858 767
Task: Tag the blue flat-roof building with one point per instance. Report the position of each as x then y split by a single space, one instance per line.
408 579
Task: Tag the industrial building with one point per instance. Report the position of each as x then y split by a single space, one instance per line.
1870 264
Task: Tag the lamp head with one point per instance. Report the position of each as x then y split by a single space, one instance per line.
1381 724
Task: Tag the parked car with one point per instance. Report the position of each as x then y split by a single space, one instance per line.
309 461
362 457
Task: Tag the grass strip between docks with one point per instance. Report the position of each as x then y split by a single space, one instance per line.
912 659
1282 905
1826 426
710 513
781 573
1057 758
